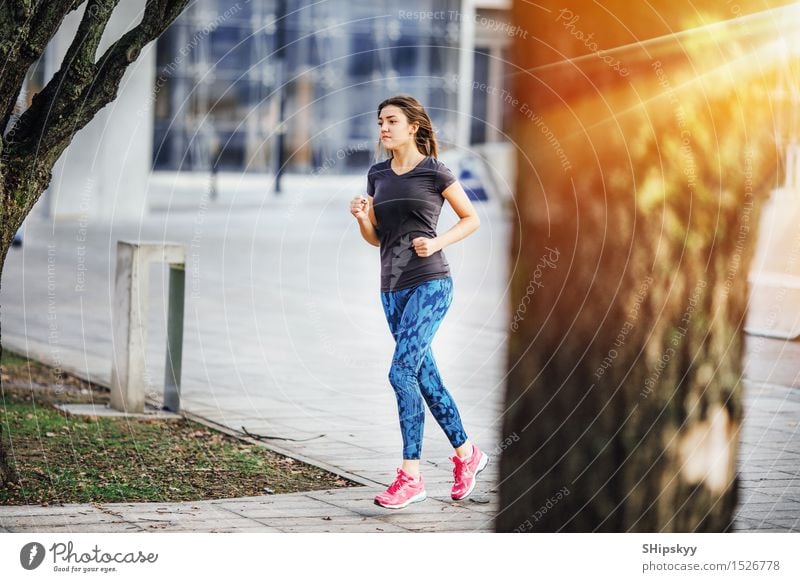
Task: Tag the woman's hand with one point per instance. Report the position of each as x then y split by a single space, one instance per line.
359 207
425 247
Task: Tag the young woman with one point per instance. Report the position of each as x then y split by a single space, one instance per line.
405 196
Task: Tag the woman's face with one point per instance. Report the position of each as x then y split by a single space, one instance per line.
395 130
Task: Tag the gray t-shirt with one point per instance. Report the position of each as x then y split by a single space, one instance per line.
407 206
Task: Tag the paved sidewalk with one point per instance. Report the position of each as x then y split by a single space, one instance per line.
769 459
285 335
349 510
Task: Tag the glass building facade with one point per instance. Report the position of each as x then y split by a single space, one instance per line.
223 84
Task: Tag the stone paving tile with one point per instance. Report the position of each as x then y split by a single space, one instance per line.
746 498
178 512
14 517
430 511
789 495
452 527
121 527
788 520
323 522
209 527
274 502
787 523
764 510
349 494
747 524
481 505
255 529
750 474
204 525
178 507
767 529
310 510
468 519
431 505
272 498
366 527
775 503
787 487
33 510
227 518
57 520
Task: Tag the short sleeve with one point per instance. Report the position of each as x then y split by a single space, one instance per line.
444 177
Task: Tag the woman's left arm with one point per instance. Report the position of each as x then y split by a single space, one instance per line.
468 223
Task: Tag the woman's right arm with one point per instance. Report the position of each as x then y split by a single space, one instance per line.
362 209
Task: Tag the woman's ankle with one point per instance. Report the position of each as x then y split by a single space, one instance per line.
465 451
411 470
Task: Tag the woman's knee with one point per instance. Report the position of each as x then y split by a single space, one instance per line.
401 377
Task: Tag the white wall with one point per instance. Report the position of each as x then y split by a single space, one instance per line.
104 171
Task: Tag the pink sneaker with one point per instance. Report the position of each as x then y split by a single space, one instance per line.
403 491
465 471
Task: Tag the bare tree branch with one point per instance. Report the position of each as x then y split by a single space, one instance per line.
77 68
68 84
27 26
70 100
82 87
49 12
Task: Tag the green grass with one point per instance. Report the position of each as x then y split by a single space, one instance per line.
12 359
66 459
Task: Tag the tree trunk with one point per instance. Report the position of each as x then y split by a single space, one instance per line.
640 177
17 197
8 475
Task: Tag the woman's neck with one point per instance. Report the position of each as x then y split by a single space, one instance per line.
407 157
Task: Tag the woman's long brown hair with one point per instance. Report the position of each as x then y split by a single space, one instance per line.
415 112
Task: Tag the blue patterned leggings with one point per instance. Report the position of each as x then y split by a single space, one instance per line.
414 315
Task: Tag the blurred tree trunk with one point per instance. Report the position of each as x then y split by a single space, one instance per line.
33 140
641 174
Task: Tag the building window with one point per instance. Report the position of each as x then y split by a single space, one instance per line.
219 83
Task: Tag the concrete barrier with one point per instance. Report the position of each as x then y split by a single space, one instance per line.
130 323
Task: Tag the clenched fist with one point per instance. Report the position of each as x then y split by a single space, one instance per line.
425 247
359 207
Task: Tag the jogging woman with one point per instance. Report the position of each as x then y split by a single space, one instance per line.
405 196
